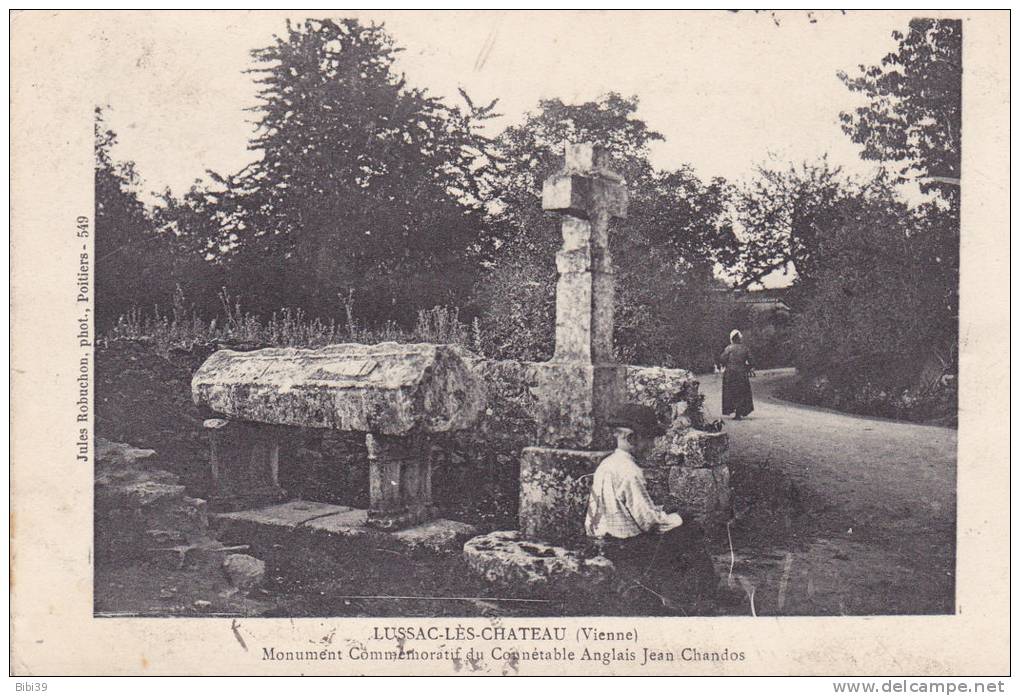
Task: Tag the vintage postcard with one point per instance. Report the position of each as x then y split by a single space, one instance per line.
510 343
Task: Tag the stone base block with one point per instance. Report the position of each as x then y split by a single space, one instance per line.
704 494
535 568
555 484
336 528
573 401
399 481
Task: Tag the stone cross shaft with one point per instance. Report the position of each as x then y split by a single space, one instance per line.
588 195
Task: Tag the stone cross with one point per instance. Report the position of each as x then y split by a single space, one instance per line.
580 385
588 195
576 390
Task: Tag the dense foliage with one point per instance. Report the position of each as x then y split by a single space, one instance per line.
368 196
362 182
879 328
133 261
914 104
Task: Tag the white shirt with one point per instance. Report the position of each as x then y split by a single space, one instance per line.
619 503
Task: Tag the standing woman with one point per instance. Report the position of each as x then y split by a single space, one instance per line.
736 383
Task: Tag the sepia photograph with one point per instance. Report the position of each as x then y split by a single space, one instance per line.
523 317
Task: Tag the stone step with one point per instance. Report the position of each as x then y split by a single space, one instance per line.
342 529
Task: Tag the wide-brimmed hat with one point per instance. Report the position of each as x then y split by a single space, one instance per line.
639 418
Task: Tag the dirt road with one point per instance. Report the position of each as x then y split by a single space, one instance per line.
840 513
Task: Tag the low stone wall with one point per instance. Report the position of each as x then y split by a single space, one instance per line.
508 423
476 477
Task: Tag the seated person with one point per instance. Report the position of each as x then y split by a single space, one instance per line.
632 530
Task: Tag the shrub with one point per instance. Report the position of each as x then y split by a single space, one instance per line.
183 329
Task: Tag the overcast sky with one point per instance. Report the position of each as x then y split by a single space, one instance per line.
727 90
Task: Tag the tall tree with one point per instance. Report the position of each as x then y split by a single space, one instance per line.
783 213
128 253
874 318
914 105
363 182
913 116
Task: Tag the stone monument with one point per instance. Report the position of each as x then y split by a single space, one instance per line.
397 395
578 388
574 394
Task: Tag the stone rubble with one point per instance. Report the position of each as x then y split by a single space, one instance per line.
244 572
510 562
143 515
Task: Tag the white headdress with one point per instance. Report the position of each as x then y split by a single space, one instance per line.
735 334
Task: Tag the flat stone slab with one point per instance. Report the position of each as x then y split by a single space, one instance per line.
512 563
290 514
324 522
387 389
438 536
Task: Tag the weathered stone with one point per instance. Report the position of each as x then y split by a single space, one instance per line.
120 466
567 193
137 508
661 389
588 195
288 515
585 186
704 494
573 402
187 515
555 484
389 388
697 448
136 495
165 537
581 259
680 421
584 157
117 455
514 408
323 526
657 482
245 462
535 568
399 482
243 571
201 552
584 315
437 536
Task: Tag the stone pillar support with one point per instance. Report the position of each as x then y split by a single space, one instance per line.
399 481
245 463
554 493
587 195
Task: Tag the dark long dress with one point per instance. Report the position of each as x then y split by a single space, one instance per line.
736 383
